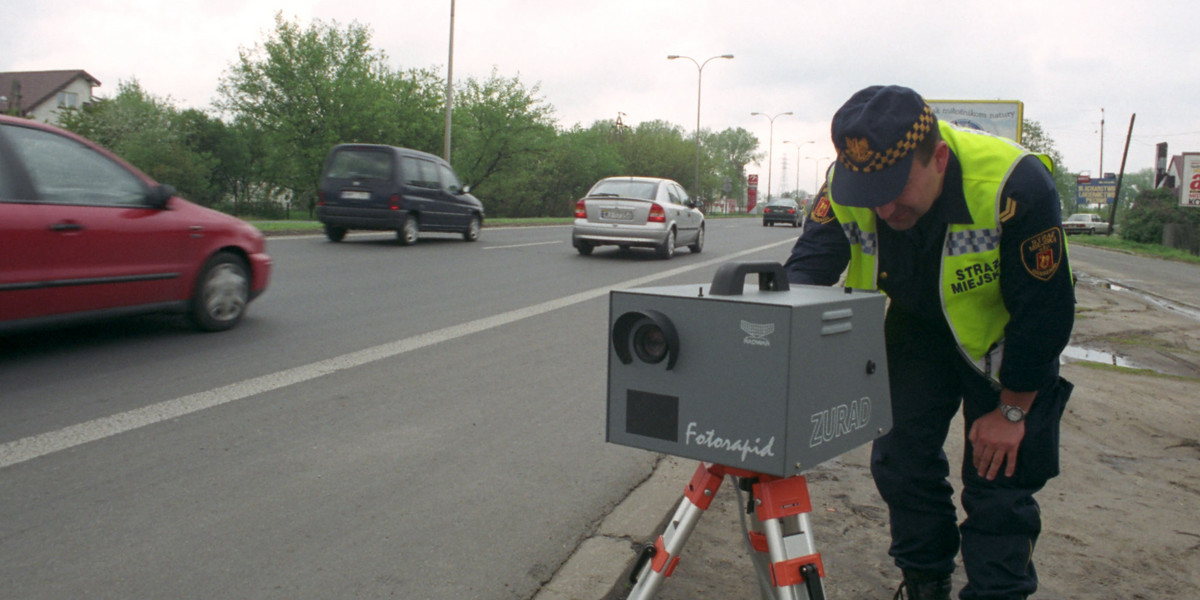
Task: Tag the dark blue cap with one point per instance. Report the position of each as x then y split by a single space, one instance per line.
876 133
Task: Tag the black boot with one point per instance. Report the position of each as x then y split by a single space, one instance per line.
923 585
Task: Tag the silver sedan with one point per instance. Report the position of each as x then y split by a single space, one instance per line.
643 212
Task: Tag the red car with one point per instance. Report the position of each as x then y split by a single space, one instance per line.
85 235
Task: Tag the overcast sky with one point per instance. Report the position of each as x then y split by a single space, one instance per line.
1070 62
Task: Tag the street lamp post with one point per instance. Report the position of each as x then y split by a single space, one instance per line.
816 163
770 145
699 78
797 145
449 88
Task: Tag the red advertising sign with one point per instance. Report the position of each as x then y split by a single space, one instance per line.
751 192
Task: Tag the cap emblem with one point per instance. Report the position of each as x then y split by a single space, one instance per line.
859 158
859 150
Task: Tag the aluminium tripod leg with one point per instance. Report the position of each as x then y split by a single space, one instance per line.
782 507
657 562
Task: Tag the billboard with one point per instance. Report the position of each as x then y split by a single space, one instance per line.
1189 188
1096 191
997 117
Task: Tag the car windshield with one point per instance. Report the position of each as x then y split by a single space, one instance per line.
1080 218
625 188
360 164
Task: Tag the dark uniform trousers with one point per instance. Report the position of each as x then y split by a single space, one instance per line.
929 378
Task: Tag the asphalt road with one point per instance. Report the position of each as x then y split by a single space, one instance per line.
420 422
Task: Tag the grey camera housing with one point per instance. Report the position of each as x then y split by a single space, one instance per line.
775 379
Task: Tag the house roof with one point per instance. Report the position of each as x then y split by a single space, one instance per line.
36 87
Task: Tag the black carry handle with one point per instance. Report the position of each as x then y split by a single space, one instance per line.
730 278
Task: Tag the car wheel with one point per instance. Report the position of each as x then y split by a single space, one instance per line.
698 245
472 232
765 223
335 234
584 248
221 294
410 231
667 249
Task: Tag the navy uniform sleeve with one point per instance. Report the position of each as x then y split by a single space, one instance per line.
822 252
1035 278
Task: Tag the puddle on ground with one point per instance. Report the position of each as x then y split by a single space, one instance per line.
1096 356
1165 303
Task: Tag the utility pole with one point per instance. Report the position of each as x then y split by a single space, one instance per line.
449 87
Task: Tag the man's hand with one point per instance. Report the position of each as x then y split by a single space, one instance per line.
995 439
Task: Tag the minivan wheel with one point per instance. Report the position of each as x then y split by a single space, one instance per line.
472 232
410 231
335 234
222 293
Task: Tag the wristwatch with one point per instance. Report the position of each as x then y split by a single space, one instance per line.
1014 414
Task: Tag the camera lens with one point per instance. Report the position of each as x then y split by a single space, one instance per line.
650 343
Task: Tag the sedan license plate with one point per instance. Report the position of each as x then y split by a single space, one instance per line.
613 214
355 195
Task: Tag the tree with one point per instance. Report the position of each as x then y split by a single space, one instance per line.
306 90
576 159
1036 139
659 149
731 150
1152 210
151 134
499 130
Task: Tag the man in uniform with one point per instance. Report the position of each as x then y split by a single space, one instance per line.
962 230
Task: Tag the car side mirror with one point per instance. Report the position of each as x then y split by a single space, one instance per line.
159 195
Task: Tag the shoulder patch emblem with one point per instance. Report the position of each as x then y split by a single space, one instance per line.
1042 253
822 212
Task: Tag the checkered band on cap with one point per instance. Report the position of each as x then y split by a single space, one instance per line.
858 156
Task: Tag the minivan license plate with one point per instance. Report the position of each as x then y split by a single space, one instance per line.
355 195
616 215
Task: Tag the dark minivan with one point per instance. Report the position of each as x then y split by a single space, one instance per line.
369 186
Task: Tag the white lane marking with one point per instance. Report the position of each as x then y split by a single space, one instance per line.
35 446
523 245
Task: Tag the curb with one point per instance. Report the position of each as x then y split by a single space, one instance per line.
599 567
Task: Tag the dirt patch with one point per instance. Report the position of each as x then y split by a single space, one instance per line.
1120 522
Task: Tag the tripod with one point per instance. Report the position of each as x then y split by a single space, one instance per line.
781 531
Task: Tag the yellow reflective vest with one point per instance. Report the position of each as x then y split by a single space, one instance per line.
970 267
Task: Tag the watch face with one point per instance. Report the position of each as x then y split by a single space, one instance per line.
1013 413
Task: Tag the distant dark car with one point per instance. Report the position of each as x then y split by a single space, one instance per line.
84 235
1088 223
783 211
646 212
367 186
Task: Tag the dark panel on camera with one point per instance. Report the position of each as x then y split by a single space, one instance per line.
652 415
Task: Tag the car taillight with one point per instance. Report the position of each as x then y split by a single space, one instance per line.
320 198
580 210
394 202
791 211
657 215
